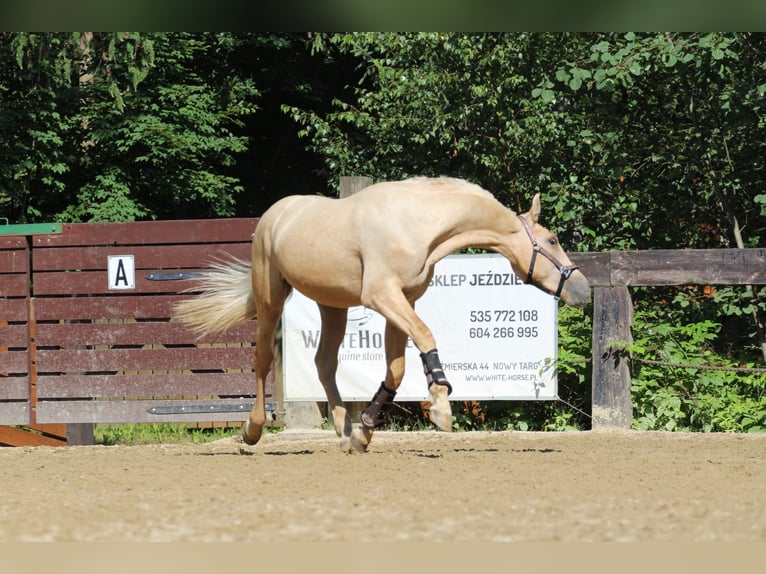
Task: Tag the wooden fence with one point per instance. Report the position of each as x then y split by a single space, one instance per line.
82 345
79 348
612 274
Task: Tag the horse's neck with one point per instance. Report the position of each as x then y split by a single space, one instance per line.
487 225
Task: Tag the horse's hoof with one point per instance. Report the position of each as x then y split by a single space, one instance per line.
441 419
345 444
440 412
360 439
249 437
341 422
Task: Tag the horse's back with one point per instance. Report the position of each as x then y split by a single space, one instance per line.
381 217
389 227
391 196
413 189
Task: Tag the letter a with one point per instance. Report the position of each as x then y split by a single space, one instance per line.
120 275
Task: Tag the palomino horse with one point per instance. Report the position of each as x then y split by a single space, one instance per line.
376 248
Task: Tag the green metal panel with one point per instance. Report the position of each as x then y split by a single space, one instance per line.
30 229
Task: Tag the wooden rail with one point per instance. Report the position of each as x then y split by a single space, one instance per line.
611 274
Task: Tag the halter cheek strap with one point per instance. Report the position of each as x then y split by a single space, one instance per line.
565 270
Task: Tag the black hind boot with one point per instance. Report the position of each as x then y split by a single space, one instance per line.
373 416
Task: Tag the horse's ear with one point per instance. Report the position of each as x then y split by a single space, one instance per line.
534 211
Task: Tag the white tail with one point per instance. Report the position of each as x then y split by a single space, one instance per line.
226 299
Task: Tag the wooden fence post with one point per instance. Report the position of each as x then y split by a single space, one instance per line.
349 185
612 317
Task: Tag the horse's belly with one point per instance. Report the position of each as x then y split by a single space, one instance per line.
324 279
338 298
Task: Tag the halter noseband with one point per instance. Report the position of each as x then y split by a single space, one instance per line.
565 270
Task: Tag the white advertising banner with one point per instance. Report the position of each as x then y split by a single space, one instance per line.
497 339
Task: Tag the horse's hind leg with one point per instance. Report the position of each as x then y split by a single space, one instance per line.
326 360
253 427
372 416
270 292
264 356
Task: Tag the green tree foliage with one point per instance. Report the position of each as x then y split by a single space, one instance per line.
433 104
120 126
36 96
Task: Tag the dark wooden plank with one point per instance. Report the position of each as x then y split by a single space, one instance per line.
97 283
149 232
115 307
155 385
12 361
14 309
14 413
14 285
128 411
15 388
152 257
689 267
612 317
131 333
14 260
169 359
597 267
13 242
13 335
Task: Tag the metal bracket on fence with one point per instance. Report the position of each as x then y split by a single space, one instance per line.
205 409
173 276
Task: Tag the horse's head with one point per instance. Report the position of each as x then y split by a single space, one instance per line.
548 266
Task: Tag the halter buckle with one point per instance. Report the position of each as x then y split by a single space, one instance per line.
566 271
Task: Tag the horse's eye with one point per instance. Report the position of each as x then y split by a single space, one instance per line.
552 241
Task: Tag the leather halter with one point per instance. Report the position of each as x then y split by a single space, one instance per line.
565 270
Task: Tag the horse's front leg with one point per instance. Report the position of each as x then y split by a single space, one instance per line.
326 361
391 303
374 415
439 388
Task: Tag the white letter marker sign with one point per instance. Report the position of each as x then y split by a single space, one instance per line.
121 272
497 339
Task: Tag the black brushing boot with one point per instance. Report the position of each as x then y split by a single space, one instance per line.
372 417
433 370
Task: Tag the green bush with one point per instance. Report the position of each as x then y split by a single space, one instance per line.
680 382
